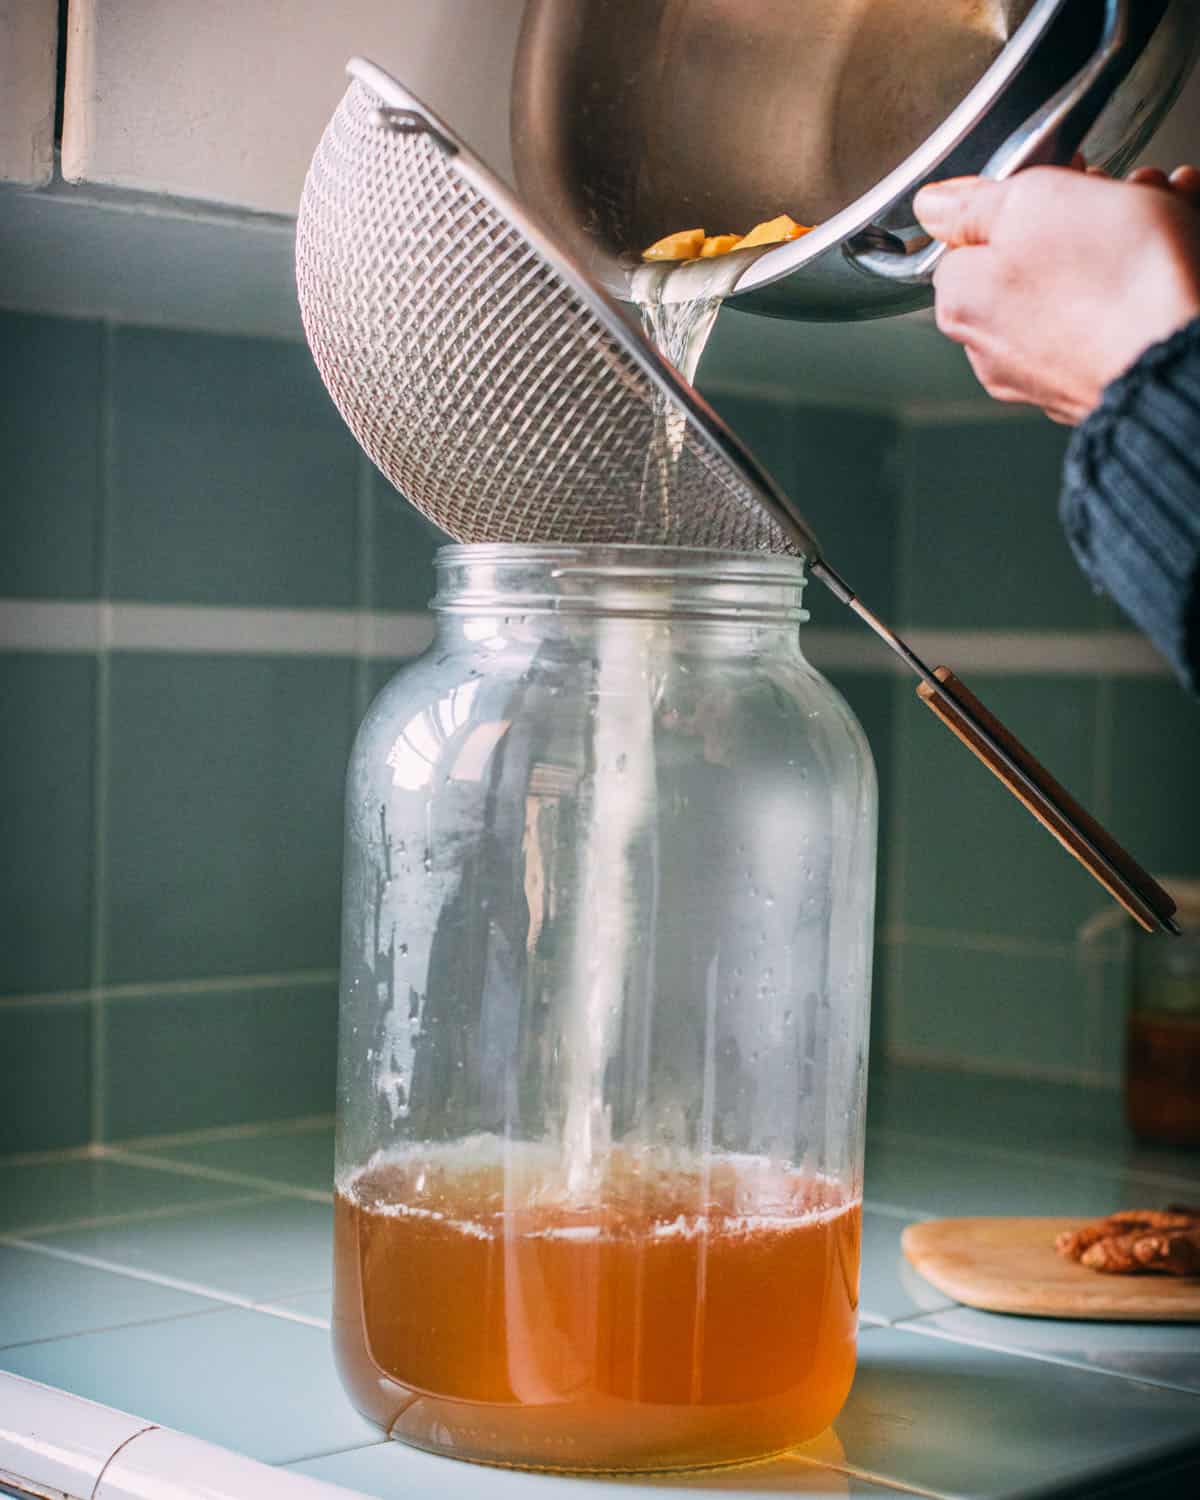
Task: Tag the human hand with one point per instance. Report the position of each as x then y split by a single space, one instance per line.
1057 280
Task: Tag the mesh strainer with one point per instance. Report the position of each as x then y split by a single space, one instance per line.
507 398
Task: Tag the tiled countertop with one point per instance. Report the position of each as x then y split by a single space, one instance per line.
188 1283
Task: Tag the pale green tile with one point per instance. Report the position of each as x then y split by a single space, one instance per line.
954 1179
991 1009
890 1288
52 1195
954 1419
318 1305
42 1297
983 546
292 1158
45 1075
193 1061
403 544
261 1249
225 801
1161 1353
234 477
974 859
1156 774
261 1385
46 820
50 403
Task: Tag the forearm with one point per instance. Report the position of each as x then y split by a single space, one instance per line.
1131 498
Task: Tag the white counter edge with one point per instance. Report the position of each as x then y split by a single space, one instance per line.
62 1447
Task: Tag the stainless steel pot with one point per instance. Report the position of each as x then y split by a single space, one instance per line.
633 118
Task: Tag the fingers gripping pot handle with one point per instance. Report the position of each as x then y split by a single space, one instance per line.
1050 137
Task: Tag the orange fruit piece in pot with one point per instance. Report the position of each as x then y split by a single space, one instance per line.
685 244
773 232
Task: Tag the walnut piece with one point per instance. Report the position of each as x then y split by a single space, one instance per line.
1136 1242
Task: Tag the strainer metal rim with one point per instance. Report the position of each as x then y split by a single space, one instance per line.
720 440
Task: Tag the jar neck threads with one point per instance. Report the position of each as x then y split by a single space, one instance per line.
668 583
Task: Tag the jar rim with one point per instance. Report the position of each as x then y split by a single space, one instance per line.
620 579
635 559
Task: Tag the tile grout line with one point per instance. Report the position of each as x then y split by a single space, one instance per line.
213 1174
912 1324
955 1062
290 1463
895 1210
251 1130
873 1476
102 748
985 942
300 1125
139 1216
156 1278
182 988
49 625
74 1333
1037 1157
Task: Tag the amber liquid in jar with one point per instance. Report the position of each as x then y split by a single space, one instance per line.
1162 1078
483 1310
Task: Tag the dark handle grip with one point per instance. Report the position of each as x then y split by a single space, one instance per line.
1054 807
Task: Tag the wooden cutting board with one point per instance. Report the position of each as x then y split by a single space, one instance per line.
1011 1265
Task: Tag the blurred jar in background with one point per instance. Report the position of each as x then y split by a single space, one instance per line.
1162 1049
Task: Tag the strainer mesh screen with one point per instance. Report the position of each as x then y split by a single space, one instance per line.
475 377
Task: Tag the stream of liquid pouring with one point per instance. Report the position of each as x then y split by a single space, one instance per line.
680 330
613 946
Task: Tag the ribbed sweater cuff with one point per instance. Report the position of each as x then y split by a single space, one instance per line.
1131 497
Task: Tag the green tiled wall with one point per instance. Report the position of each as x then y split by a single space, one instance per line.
981 545
233 478
50 445
171 819
224 813
179 1061
47 777
985 966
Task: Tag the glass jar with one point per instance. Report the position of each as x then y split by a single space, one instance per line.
606 962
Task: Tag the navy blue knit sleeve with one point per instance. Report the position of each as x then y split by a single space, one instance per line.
1131 497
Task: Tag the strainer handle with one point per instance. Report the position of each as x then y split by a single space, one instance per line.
1028 780
1055 809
